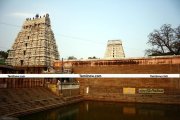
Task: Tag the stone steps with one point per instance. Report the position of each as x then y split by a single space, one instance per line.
27 100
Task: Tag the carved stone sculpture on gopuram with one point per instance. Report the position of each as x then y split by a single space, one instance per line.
35 44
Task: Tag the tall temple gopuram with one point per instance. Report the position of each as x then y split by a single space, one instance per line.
114 50
35 44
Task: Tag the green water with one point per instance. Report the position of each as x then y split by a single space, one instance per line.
91 110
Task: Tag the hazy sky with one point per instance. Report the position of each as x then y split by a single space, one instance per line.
83 27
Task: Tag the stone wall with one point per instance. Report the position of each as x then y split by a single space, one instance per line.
70 92
150 90
156 90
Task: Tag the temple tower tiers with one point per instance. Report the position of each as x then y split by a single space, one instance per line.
35 44
114 50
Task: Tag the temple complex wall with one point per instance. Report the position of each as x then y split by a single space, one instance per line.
155 90
145 90
160 60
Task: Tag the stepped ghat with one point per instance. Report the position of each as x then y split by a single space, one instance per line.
35 44
19 101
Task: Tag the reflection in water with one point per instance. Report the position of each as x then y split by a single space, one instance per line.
91 110
129 110
87 106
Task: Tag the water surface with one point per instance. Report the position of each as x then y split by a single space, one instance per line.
93 110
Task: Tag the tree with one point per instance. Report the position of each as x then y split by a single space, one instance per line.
165 41
72 58
4 54
92 57
3 57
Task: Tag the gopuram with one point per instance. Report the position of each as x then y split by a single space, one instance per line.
114 50
35 45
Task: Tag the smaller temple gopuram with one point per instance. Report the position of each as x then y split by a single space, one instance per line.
114 50
34 45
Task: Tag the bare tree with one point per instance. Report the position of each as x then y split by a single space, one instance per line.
165 41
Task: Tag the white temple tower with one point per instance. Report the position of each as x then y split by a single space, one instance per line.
35 44
114 50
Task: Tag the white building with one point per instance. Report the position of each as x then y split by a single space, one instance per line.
114 50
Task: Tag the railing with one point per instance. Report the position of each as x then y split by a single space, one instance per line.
65 86
69 86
